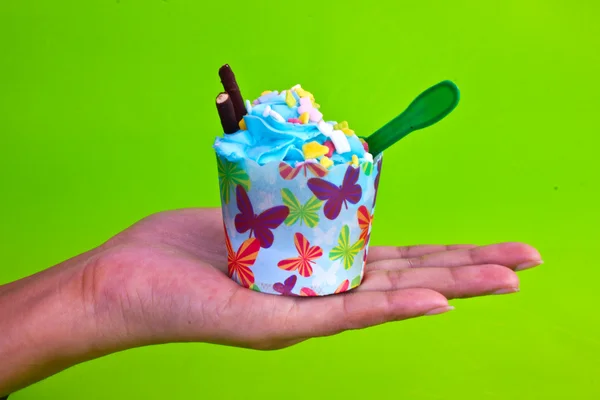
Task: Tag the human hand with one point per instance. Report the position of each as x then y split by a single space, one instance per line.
164 279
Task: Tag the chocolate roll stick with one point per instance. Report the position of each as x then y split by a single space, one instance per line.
227 113
232 88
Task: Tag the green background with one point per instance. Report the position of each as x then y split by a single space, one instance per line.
107 114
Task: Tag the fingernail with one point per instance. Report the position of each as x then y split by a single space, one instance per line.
506 291
529 264
440 310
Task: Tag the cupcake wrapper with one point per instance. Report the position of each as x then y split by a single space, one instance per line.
297 231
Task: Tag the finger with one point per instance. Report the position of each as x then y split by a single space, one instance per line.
513 255
329 315
460 282
393 252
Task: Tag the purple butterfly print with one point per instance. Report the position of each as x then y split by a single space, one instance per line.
259 225
287 286
335 196
377 180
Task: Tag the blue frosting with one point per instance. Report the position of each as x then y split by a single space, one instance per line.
266 139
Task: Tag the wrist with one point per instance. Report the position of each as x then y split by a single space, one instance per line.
47 325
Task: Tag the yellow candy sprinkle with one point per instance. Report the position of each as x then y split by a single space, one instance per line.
314 150
266 92
354 161
341 126
315 105
290 99
305 93
304 117
348 131
326 162
242 125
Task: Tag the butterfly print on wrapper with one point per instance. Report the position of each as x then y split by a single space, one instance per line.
337 196
286 287
307 255
240 261
288 172
259 225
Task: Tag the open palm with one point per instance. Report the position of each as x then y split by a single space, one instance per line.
164 279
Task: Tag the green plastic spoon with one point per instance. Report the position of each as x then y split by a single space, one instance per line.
428 108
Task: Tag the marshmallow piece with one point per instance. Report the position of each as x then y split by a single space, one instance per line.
276 116
267 111
340 142
315 115
325 128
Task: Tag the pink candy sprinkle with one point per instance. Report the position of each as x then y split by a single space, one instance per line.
294 121
366 146
329 144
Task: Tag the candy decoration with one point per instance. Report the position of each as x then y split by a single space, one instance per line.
368 157
290 99
276 116
365 144
340 142
348 131
341 125
233 90
325 128
248 106
326 162
304 117
354 161
227 113
267 111
314 150
296 87
329 144
294 121
266 92
307 107
242 125
304 93
269 96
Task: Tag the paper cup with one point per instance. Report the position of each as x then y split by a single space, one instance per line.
300 231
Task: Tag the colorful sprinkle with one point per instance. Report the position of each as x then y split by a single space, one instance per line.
276 116
296 87
365 146
266 92
354 161
340 141
368 157
341 125
325 128
248 106
304 93
304 117
269 96
266 111
348 131
242 125
294 121
329 144
314 150
290 99
326 162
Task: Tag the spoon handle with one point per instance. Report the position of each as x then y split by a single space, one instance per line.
428 108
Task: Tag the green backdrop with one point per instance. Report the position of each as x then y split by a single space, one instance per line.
107 115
